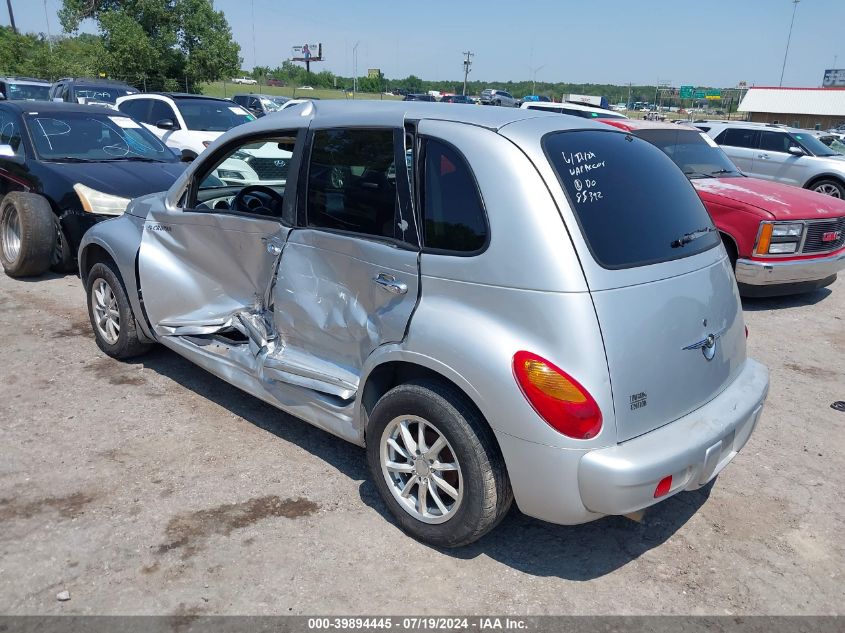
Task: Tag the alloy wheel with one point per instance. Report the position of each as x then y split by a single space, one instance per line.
106 312
421 469
828 189
10 228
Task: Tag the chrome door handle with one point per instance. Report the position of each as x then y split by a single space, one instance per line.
274 249
389 283
763 156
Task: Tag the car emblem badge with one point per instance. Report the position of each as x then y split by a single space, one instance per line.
707 345
279 163
831 236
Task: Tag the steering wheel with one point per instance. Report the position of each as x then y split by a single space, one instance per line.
252 199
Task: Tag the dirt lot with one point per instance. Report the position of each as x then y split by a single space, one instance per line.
154 487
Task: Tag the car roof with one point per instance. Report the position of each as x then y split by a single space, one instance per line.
635 125
256 94
46 107
173 95
395 113
754 125
27 81
566 104
95 80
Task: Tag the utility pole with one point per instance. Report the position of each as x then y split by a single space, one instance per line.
49 36
628 103
12 16
788 38
355 69
254 56
467 65
534 72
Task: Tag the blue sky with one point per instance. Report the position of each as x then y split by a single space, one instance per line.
717 42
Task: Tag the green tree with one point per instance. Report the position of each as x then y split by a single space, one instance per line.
171 40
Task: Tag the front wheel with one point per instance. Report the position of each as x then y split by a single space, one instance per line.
27 234
436 464
111 315
829 187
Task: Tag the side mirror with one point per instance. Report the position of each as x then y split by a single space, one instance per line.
7 151
796 151
166 124
187 156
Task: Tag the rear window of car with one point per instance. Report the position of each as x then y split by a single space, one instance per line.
633 205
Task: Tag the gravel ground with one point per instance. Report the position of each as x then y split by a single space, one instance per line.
154 488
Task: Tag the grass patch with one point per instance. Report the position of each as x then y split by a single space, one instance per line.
227 89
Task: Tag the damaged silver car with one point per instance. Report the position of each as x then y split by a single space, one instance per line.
498 304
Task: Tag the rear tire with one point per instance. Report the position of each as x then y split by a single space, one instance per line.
448 496
110 314
829 187
27 234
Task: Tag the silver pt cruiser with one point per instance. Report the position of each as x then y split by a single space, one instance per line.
498 304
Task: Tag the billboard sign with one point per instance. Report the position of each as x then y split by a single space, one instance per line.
307 53
374 73
834 78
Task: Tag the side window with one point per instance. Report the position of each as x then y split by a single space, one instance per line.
254 104
774 141
453 216
239 99
136 108
352 183
160 110
738 137
10 133
250 178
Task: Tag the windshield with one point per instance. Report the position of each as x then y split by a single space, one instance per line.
28 92
106 94
77 136
273 105
633 205
813 144
691 152
836 145
211 115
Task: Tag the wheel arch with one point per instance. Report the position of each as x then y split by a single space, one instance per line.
730 246
826 176
398 367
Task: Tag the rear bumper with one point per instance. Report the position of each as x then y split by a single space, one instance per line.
694 449
571 486
759 273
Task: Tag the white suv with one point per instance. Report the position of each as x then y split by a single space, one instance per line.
572 109
783 154
186 123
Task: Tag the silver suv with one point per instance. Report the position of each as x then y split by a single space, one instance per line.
585 356
497 97
780 153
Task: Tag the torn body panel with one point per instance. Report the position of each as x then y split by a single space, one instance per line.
198 269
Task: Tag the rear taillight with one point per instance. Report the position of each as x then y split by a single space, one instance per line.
557 397
663 487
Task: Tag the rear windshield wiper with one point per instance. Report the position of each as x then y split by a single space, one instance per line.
686 238
700 174
723 171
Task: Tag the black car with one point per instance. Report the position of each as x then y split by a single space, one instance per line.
75 90
418 97
64 167
456 99
24 89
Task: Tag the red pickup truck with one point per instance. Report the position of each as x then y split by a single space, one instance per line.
781 239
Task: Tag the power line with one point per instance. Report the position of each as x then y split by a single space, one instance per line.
467 66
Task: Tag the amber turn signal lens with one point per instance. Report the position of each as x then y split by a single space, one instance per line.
765 240
550 383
